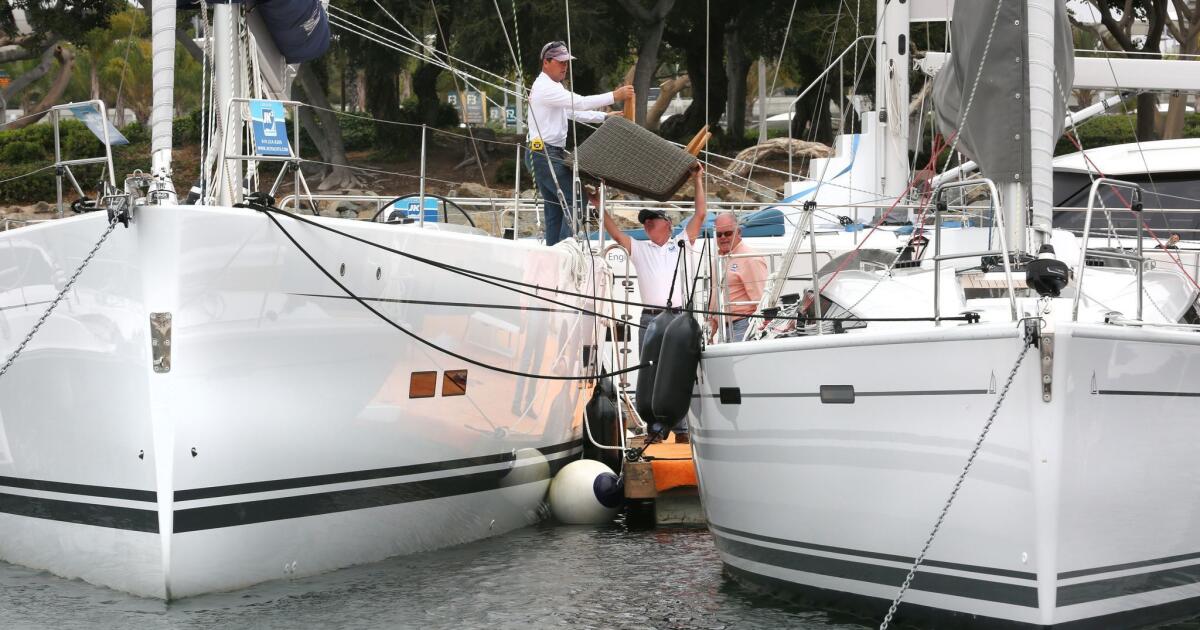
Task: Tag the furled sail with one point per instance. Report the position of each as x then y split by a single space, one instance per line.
299 28
990 46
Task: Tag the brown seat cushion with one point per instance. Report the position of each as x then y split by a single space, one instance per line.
630 158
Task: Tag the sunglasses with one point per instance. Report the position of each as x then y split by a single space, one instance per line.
726 234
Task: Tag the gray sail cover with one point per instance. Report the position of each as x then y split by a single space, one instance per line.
994 131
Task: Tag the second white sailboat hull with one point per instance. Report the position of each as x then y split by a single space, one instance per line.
1083 509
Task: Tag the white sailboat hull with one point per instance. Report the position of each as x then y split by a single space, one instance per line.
1080 511
284 439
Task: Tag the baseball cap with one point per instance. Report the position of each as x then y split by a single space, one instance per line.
556 51
646 215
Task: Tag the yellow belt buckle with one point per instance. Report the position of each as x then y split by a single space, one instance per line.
537 144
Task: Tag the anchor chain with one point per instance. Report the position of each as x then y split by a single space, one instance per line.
114 219
912 573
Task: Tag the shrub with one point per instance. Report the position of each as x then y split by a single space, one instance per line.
23 151
136 132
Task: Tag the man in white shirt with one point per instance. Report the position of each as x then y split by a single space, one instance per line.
658 263
550 105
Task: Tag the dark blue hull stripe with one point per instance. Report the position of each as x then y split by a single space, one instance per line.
975 588
959 586
872 609
247 512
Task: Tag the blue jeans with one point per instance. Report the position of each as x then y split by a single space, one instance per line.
737 330
557 218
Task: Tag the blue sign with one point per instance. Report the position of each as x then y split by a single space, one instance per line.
410 208
510 115
89 114
270 128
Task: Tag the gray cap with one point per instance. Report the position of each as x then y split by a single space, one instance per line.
556 51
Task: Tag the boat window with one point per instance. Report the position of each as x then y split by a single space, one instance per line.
1173 191
422 385
454 383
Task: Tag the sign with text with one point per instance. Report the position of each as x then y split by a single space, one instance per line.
510 115
474 107
89 114
270 128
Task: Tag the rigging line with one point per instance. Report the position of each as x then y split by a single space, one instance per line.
575 182
374 170
475 275
413 38
1175 259
504 28
125 64
420 339
474 146
33 172
205 79
774 81
17 120
379 39
1133 126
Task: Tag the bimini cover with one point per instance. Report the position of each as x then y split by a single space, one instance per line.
995 130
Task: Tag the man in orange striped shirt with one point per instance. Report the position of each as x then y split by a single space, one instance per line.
745 277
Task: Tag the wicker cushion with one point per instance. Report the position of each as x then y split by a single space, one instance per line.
635 160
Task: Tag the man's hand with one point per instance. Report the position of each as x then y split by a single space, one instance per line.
623 93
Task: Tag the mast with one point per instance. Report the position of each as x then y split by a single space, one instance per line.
227 79
163 40
892 96
1041 33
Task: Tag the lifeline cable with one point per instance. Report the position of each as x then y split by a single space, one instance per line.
416 337
485 278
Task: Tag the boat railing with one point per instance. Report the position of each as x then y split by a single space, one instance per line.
63 167
625 332
940 206
291 162
1138 259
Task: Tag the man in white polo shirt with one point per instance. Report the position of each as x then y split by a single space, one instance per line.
657 260
550 105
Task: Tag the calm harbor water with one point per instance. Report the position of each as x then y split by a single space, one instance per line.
540 577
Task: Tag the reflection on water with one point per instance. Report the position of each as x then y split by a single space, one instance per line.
541 577
547 576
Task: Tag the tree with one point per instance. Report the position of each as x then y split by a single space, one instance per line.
1119 35
651 23
699 34
66 63
1185 28
50 23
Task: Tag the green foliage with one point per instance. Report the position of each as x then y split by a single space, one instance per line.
186 129
506 173
136 132
27 150
21 151
358 133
